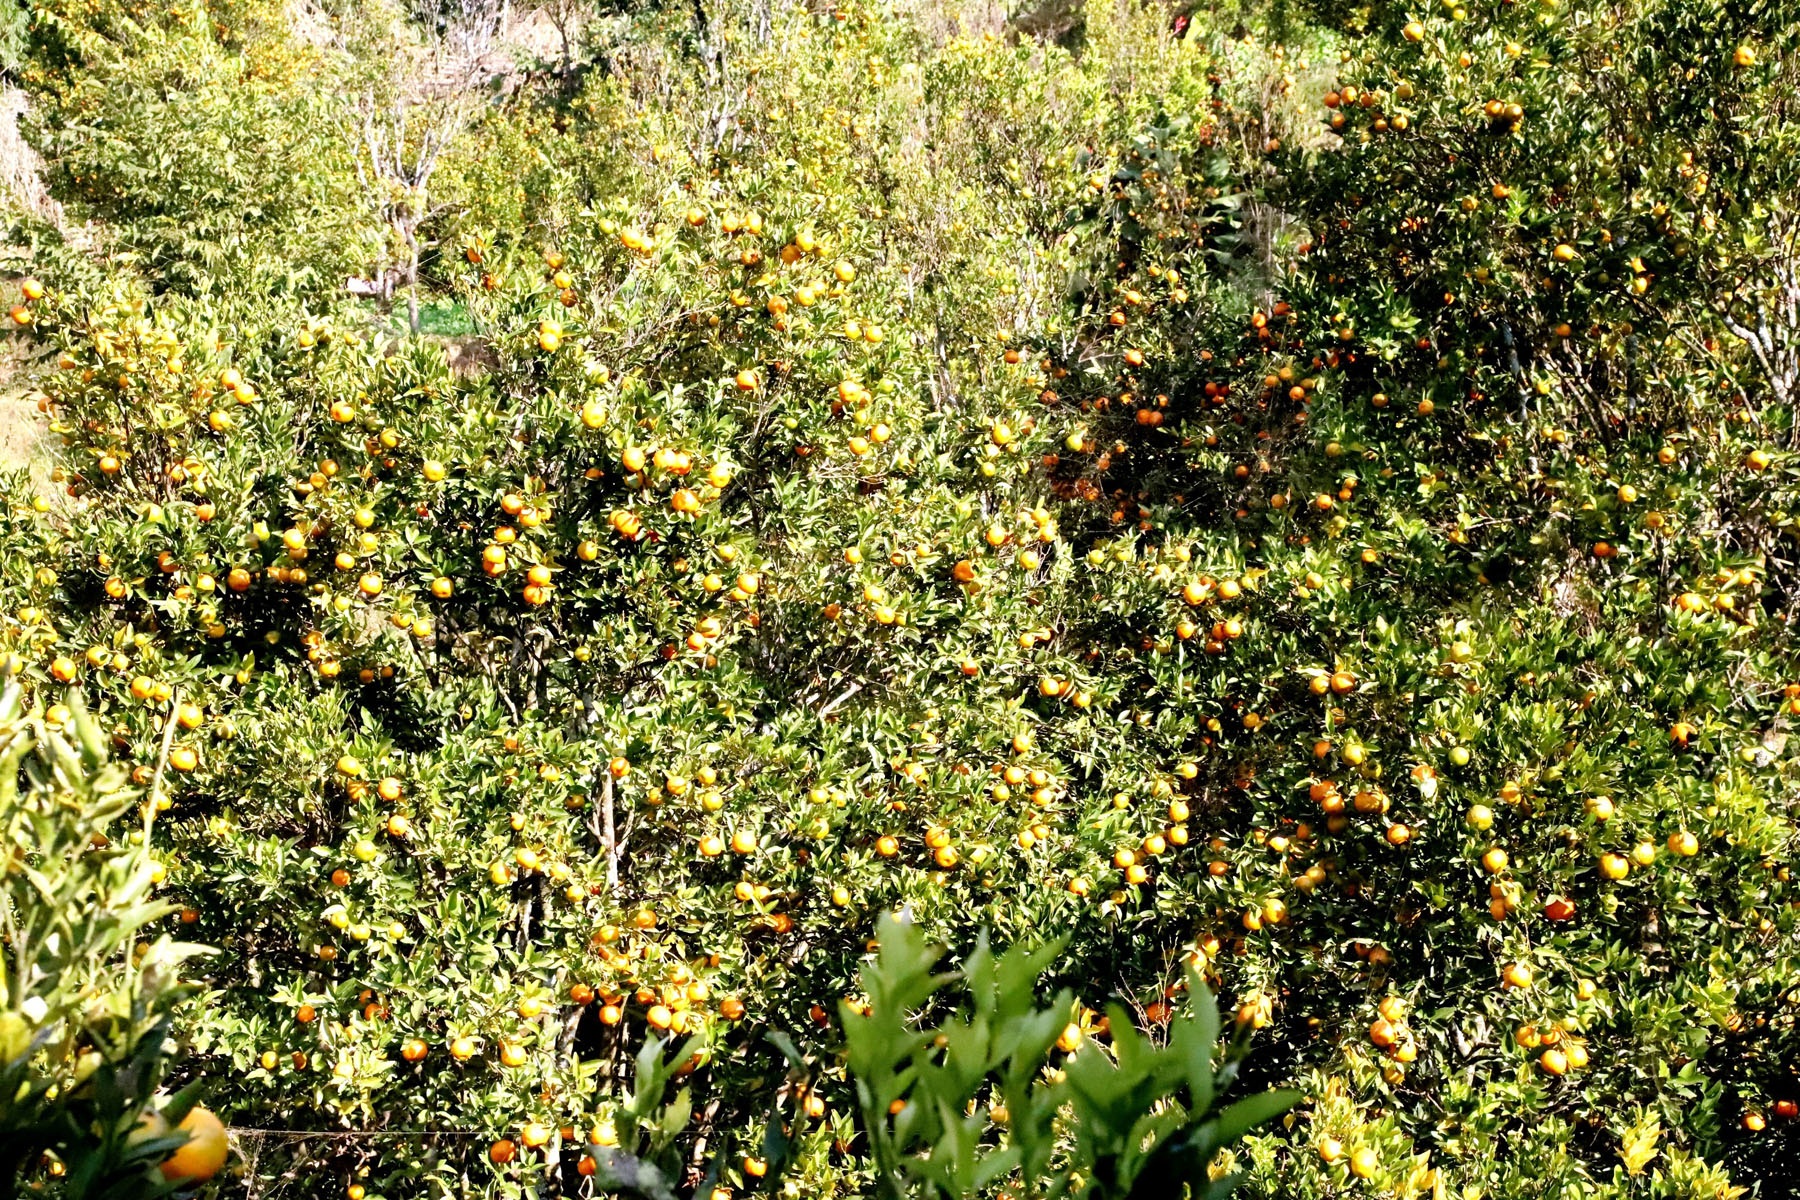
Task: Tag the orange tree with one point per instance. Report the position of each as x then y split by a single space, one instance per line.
1100 493
1551 251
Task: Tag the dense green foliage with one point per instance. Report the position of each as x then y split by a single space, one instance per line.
1307 498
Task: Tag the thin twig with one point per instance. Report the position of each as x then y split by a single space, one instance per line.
612 840
162 763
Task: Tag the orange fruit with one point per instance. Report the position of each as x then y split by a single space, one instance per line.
200 1158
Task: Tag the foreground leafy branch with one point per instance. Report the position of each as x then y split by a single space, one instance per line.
84 1013
1141 1121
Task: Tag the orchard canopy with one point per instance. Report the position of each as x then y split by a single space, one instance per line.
568 514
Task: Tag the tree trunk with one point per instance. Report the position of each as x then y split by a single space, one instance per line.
412 281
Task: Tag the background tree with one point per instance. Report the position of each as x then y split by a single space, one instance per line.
422 108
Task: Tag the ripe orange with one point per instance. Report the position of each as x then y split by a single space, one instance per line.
200 1158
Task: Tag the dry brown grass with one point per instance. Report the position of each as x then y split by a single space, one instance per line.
20 429
21 183
21 188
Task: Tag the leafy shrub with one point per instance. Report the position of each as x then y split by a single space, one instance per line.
1126 1133
219 165
1130 494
